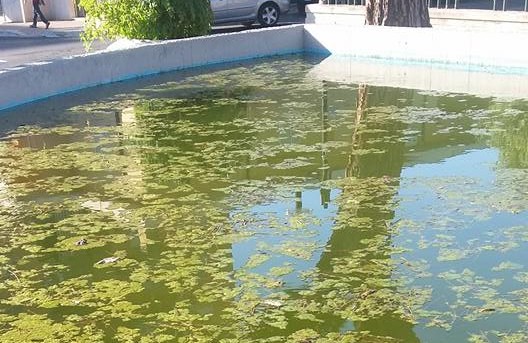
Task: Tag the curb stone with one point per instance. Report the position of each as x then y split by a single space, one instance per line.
45 33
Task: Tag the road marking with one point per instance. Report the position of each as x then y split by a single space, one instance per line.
2 61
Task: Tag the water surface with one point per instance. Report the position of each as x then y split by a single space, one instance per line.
253 203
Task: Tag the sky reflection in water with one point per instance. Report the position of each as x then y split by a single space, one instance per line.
252 203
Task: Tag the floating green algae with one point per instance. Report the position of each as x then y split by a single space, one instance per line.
256 204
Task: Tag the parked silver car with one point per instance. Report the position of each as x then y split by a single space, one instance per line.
266 12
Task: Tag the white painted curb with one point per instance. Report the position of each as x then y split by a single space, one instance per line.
489 52
41 80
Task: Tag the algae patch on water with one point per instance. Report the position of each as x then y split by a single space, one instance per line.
252 203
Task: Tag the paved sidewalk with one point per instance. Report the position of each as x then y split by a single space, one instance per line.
20 44
72 28
69 28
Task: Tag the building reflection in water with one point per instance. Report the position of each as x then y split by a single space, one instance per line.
329 244
375 153
345 241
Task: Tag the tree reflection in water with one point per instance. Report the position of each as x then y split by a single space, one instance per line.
242 209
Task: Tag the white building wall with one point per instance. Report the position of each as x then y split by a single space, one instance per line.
19 11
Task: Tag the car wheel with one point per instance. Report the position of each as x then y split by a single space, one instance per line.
268 14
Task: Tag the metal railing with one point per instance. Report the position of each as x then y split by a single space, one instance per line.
494 5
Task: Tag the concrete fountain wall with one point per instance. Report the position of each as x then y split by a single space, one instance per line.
481 62
41 80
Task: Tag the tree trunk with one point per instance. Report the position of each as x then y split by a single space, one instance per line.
407 13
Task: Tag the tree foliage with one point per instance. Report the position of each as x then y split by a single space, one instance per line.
146 19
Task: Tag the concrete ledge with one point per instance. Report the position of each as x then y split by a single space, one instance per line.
33 82
335 15
346 15
431 48
471 50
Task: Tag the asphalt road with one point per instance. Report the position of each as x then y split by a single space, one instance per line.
16 51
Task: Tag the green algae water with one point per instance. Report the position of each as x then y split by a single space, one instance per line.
253 203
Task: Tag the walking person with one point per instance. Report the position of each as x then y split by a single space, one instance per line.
37 13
